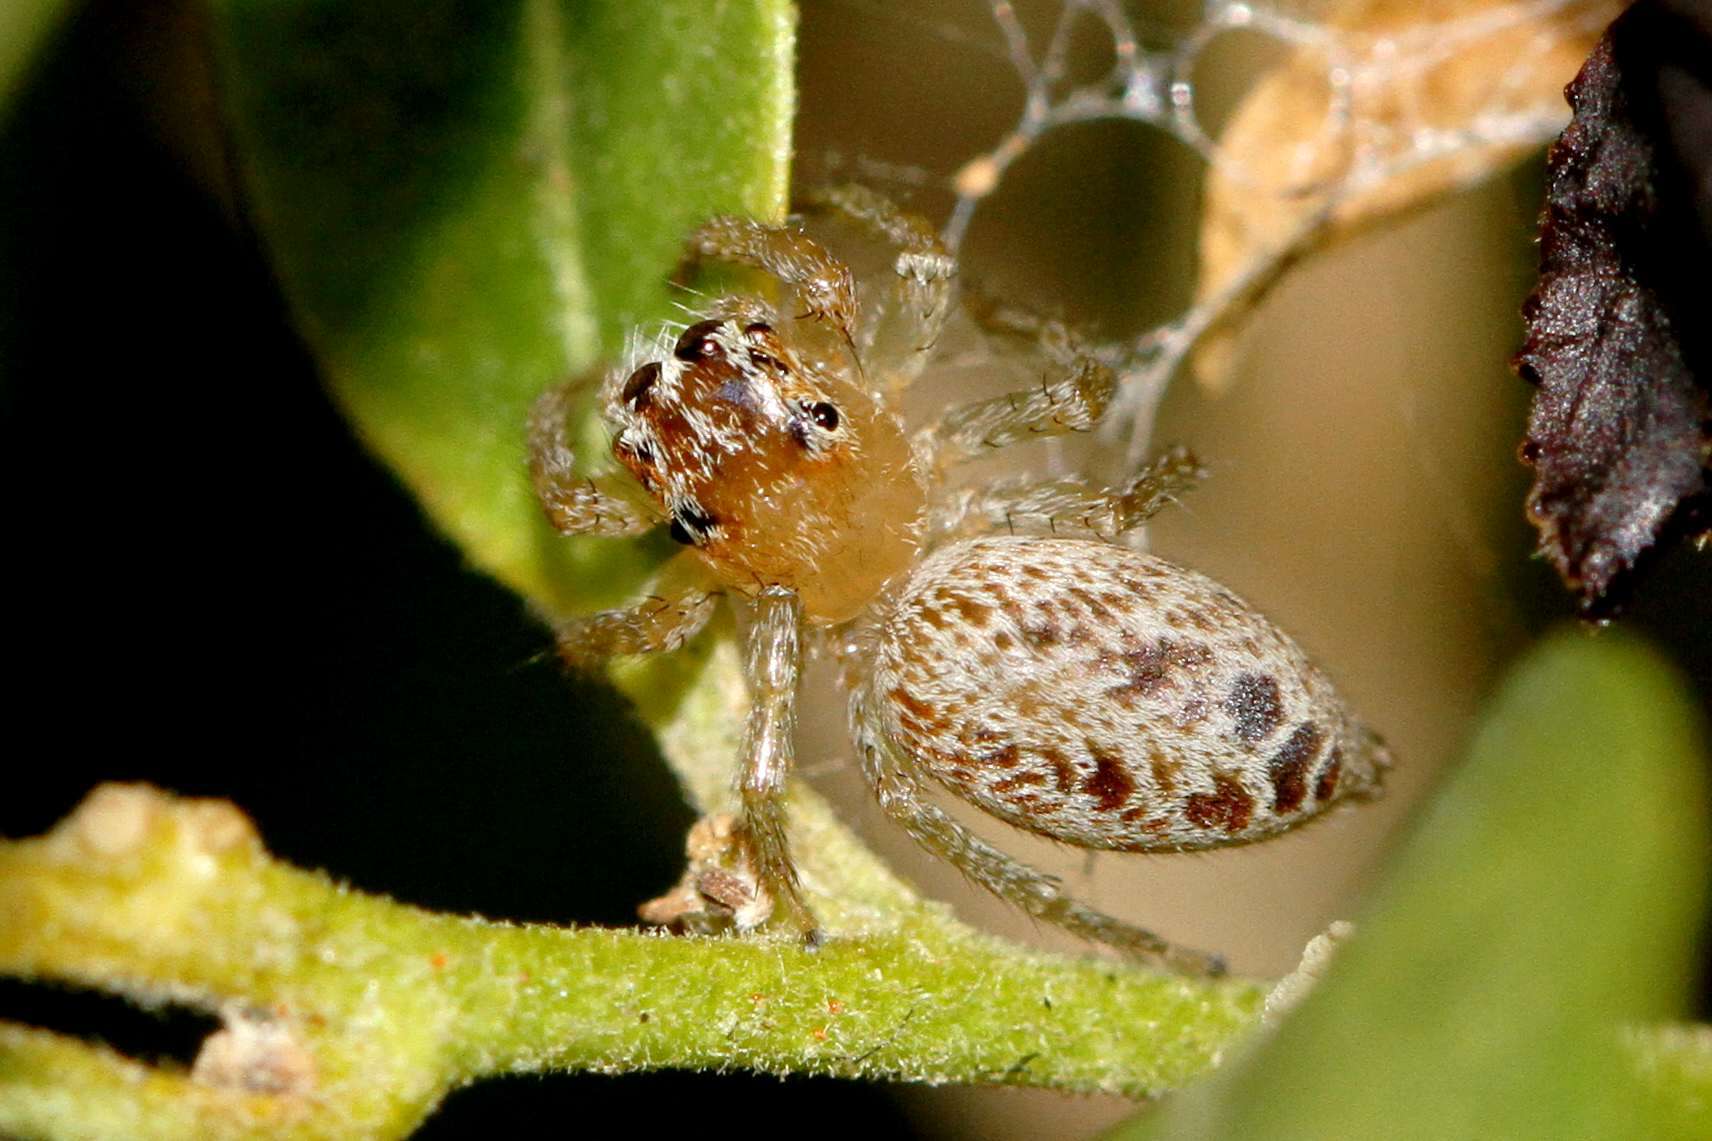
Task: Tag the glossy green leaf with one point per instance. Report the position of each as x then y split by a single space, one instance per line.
467 201
1547 900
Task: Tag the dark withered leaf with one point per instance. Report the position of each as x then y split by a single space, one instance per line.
1619 326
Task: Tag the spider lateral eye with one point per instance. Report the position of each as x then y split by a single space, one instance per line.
641 453
696 342
691 525
825 415
635 391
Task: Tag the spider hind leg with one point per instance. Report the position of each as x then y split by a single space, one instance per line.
902 796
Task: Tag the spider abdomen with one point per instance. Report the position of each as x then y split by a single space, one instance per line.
1109 699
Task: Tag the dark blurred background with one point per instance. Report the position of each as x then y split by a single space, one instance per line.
216 589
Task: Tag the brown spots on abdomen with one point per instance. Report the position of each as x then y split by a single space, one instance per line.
1156 668
1110 783
1028 778
1288 768
1165 771
1326 787
1040 690
1228 808
1254 706
970 610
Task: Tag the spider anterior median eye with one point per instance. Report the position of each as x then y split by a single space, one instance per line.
825 415
697 341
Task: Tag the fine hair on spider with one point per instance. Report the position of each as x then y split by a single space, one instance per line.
998 640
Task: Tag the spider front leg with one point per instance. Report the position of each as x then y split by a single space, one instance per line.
683 596
1071 508
678 605
772 666
903 798
822 282
904 326
1072 396
577 504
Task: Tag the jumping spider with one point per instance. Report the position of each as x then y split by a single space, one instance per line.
998 640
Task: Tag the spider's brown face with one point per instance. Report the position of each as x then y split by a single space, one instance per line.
728 418
776 471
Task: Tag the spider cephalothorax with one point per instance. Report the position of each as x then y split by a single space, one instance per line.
998 640
775 468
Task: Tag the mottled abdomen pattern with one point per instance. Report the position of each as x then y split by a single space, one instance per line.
1108 699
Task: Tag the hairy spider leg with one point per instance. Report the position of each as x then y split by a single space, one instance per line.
822 283
677 606
1073 394
1069 508
901 795
682 598
772 666
904 325
575 504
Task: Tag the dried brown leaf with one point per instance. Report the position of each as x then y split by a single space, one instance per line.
1620 436
1400 101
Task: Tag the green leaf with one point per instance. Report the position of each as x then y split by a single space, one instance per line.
24 26
467 201
1548 899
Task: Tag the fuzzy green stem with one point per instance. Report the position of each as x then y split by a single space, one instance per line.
165 899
